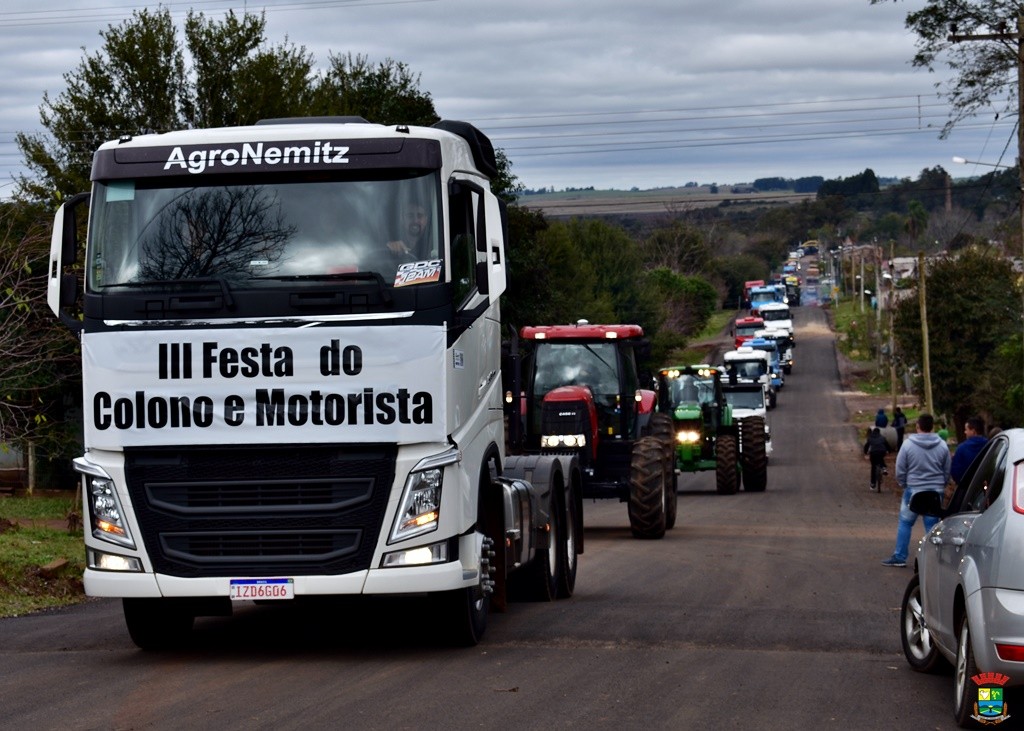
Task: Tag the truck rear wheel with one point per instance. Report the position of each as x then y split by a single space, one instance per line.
754 454
647 489
158 624
726 472
569 549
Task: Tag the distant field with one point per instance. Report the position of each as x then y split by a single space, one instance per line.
663 200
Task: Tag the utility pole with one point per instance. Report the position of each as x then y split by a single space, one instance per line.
1017 36
926 363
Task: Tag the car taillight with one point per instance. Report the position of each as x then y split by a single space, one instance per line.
1018 487
1013 653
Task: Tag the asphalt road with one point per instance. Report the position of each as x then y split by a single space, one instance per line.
758 611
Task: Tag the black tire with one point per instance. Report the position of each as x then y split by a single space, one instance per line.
568 549
663 430
647 489
463 613
158 624
726 465
965 689
918 647
754 454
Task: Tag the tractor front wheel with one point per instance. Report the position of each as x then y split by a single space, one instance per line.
726 465
647 489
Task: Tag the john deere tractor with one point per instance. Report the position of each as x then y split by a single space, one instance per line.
707 435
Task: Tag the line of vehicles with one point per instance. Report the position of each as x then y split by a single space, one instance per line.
279 406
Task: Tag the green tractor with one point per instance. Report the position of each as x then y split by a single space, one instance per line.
707 435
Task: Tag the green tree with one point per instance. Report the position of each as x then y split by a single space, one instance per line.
734 271
984 71
680 247
687 304
236 78
974 310
136 82
618 266
139 82
386 93
37 392
916 221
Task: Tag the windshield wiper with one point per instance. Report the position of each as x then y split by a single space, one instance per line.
221 281
336 277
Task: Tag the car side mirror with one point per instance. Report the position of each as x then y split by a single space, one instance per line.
927 502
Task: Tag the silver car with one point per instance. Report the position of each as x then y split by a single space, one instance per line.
965 603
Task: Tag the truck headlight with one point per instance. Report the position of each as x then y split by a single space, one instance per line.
421 504
106 518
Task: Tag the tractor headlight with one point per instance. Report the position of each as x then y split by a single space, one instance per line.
688 437
558 441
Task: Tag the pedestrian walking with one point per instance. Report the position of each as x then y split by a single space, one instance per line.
875 449
966 451
899 423
922 464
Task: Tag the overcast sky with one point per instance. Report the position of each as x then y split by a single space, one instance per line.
597 93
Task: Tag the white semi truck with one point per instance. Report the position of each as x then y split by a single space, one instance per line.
292 369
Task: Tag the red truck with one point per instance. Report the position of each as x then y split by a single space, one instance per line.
745 327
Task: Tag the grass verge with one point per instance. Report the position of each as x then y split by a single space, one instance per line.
41 560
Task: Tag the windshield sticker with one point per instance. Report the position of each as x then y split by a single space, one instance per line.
418 272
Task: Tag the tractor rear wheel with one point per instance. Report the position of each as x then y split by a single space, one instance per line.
754 454
726 472
647 489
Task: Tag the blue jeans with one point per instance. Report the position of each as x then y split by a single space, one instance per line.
906 524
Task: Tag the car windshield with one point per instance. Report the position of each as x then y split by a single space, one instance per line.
266 229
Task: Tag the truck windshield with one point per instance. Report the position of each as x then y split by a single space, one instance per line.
745 399
776 315
260 230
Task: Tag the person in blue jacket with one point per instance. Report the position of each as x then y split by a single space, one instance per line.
881 420
967 450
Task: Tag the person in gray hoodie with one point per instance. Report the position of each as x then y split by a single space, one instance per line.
923 463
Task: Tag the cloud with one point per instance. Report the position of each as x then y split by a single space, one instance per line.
601 93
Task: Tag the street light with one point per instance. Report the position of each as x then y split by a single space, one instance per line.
963 161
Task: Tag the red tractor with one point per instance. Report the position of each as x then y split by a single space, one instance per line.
580 394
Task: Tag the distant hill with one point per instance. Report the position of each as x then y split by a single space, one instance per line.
591 202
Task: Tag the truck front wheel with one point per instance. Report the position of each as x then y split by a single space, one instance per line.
754 454
463 612
158 624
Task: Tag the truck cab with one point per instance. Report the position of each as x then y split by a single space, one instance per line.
291 350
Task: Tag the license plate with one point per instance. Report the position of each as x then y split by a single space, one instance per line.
247 589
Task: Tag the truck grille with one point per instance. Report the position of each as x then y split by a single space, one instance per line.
243 511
